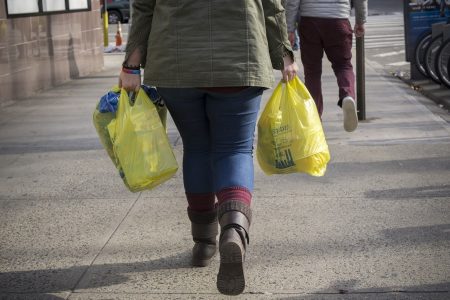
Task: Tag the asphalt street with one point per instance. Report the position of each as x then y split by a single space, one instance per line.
382 7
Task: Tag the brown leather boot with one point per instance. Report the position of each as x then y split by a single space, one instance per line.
204 228
234 218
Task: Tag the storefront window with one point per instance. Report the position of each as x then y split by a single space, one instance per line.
78 4
53 5
21 8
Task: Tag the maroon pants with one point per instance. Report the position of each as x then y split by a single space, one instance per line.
334 36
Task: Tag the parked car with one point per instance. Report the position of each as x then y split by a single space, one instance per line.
118 10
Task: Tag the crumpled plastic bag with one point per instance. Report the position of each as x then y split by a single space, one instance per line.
290 133
105 114
109 101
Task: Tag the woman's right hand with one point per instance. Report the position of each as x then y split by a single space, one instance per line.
290 69
130 82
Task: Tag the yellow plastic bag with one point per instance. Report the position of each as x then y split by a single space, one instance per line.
290 133
101 121
140 143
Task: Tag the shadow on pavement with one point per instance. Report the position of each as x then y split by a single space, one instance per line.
440 191
346 290
69 279
420 234
387 238
437 164
30 297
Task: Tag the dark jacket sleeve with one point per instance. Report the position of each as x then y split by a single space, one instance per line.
276 32
141 26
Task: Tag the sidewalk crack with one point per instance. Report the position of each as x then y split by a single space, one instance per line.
72 290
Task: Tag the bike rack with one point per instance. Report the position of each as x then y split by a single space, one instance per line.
444 55
446 31
437 29
419 17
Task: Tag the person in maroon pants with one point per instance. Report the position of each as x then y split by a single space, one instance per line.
324 26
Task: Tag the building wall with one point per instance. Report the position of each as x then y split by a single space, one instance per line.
43 51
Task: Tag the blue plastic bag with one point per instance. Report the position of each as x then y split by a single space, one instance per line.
109 101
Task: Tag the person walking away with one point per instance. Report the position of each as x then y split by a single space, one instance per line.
292 27
210 62
324 26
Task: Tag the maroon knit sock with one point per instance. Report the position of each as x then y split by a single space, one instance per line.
237 193
201 202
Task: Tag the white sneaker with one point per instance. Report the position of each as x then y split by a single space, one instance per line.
350 114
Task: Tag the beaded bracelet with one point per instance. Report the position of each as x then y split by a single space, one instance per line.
130 71
286 53
131 67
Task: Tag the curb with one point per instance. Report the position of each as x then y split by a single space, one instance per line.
437 93
433 91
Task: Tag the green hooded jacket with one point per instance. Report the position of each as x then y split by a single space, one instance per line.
209 43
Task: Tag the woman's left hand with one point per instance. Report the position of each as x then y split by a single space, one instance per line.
290 68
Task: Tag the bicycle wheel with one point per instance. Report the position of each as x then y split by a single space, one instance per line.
419 54
430 57
446 2
443 63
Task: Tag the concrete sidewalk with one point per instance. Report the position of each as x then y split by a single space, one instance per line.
376 226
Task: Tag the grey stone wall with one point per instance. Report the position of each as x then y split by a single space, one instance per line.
37 52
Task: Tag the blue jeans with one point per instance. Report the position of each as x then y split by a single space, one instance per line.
217 130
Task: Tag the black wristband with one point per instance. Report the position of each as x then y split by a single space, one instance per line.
286 53
130 67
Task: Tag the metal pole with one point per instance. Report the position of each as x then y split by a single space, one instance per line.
405 29
360 78
130 20
105 24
